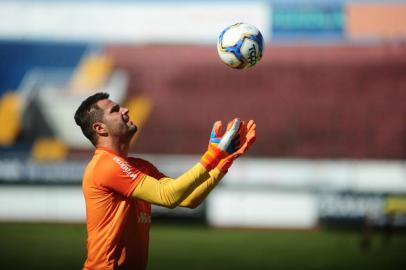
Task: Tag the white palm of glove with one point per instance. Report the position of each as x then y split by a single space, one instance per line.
226 142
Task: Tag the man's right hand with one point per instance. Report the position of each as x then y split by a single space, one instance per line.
221 146
247 136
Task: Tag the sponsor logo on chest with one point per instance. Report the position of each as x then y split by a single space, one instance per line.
126 168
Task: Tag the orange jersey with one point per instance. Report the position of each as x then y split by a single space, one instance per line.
117 224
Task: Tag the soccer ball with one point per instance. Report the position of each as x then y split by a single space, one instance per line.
240 45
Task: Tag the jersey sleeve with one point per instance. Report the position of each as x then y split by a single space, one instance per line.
118 175
147 168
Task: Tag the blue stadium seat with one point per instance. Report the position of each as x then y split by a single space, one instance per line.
18 57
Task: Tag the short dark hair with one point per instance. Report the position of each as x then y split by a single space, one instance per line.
88 113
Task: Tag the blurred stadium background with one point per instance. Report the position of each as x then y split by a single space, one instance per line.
324 187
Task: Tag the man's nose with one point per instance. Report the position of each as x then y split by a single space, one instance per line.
124 110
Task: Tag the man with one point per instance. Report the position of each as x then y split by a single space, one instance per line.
119 190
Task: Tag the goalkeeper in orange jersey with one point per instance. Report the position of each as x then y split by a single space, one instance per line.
119 189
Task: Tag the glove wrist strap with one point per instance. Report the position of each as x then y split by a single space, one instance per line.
212 157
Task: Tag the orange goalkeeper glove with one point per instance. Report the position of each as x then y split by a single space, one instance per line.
247 135
221 146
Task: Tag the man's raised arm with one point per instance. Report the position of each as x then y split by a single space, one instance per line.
170 192
191 188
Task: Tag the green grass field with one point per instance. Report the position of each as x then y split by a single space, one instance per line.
56 246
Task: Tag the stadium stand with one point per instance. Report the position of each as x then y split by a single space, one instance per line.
18 57
91 73
20 67
314 102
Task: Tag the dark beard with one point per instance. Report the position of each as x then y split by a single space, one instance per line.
131 130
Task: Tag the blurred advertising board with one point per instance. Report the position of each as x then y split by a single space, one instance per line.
278 208
376 21
350 207
65 203
256 193
354 208
262 208
323 21
24 171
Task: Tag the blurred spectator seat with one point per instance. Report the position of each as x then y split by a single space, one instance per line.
9 118
48 149
92 72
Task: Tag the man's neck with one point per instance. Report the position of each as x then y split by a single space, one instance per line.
120 148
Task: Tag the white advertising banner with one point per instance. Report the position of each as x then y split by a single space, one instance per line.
380 176
42 203
255 209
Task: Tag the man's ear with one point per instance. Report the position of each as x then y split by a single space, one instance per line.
99 128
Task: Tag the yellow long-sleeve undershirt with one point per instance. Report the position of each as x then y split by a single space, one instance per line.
188 190
201 192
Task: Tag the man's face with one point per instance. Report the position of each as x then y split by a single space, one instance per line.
116 120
